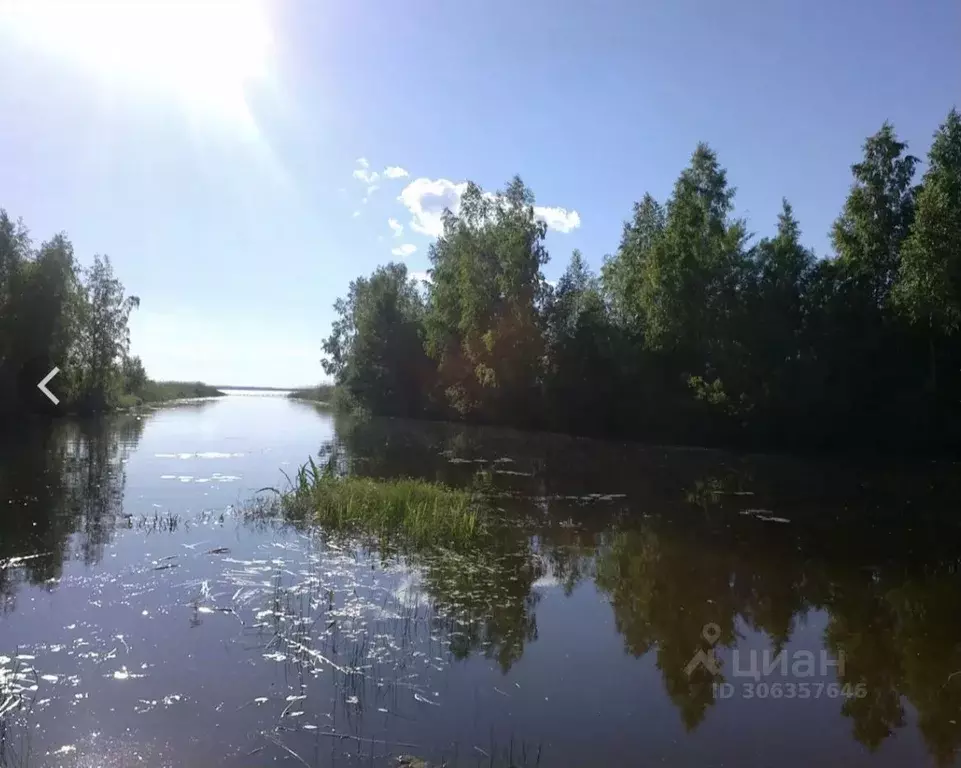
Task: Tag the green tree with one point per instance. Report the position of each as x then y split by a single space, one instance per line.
695 333
877 215
692 292
865 362
928 288
52 310
777 313
15 252
375 351
104 335
623 276
134 375
683 272
483 323
583 377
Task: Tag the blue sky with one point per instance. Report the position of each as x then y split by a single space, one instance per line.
214 155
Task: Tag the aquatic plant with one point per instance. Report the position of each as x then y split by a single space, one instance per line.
419 512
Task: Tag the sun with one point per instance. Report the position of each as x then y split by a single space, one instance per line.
204 53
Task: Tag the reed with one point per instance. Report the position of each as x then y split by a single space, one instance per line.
419 512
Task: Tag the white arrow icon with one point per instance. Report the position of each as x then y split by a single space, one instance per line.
42 386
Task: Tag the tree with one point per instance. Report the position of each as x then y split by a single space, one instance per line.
694 332
777 315
52 309
877 215
623 275
15 250
105 335
860 332
134 375
375 351
483 322
695 271
54 313
691 297
928 288
582 378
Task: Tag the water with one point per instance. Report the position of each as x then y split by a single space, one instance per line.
148 621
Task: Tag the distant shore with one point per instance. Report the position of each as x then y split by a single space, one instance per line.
156 392
322 393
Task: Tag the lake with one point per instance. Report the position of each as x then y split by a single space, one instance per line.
639 606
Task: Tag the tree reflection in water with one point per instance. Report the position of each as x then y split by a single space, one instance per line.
672 539
876 550
67 480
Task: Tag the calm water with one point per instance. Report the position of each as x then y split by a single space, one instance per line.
147 621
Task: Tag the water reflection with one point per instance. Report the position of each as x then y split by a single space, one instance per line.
752 545
862 562
58 481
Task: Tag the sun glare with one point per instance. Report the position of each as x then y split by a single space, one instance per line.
202 52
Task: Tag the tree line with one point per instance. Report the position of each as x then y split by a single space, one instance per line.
53 312
692 331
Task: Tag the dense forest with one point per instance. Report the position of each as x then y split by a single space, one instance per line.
693 331
53 312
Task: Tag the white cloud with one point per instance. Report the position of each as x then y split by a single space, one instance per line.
396 227
420 276
426 200
356 214
364 174
404 250
558 219
368 177
395 172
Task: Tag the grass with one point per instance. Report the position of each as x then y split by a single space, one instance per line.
322 393
162 391
418 512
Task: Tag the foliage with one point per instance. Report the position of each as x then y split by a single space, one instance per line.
54 312
483 325
928 289
376 349
692 332
322 393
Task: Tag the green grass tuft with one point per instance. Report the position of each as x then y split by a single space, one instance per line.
418 512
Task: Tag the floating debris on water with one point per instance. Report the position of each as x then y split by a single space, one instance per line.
13 562
202 455
764 514
123 674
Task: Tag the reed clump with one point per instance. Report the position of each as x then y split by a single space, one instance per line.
416 511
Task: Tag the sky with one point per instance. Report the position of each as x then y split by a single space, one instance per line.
241 161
